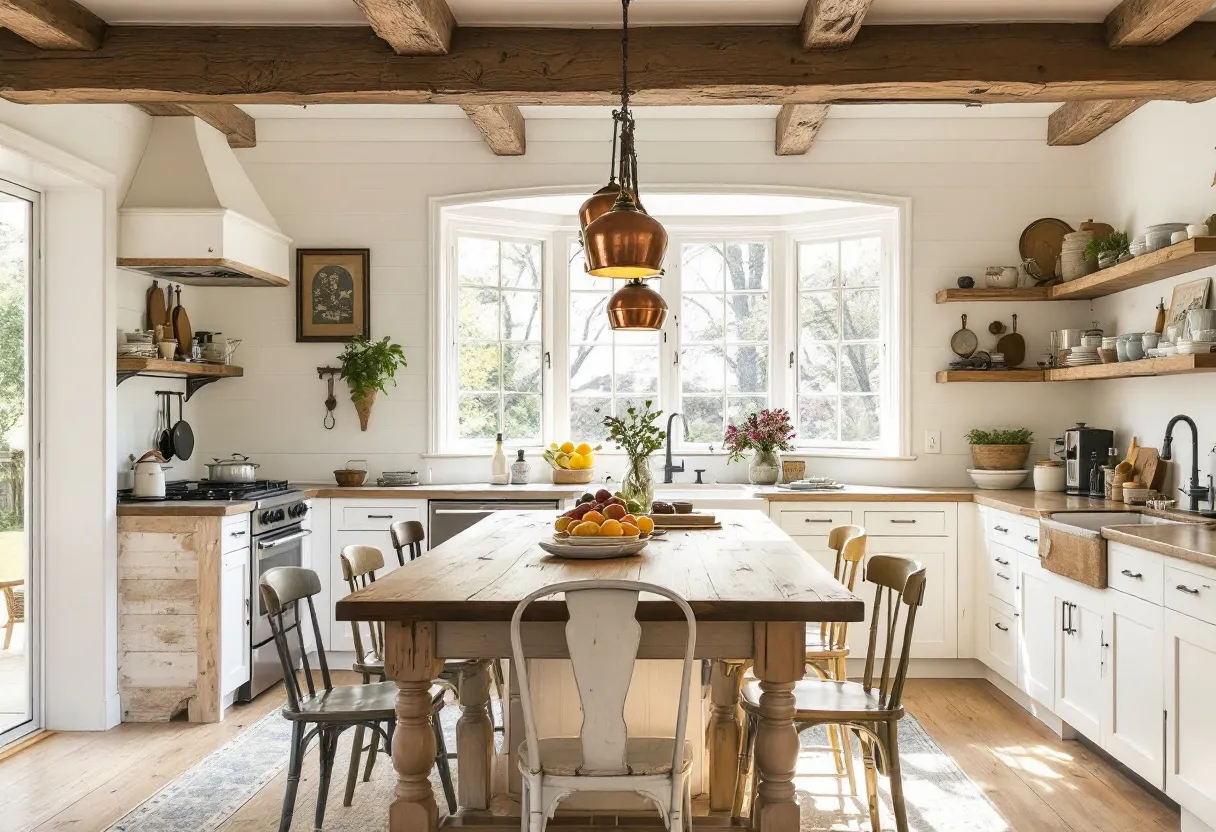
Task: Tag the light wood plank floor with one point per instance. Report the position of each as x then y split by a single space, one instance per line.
85 782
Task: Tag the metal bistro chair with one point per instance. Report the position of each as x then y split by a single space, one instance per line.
872 708
602 637
359 565
330 710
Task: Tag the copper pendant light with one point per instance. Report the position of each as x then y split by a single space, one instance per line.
635 306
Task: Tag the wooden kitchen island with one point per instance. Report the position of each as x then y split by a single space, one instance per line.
751 587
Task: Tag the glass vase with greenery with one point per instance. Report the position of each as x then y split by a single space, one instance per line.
638 435
766 433
367 367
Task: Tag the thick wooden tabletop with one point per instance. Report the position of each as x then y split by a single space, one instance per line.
749 570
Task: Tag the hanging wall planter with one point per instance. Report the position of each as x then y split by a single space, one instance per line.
367 366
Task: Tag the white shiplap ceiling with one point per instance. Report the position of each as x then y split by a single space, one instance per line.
591 12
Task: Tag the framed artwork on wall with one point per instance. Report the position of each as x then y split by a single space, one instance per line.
333 294
1187 296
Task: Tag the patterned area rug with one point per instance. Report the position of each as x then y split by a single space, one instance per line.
940 797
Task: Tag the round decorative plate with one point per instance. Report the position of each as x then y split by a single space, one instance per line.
609 550
1043 239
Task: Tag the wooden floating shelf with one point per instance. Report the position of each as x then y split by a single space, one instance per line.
1178 259
197 375
1168 366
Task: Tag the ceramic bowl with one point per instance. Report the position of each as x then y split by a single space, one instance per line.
1135 349
1199 230
997 480
1108 356
1167 350
1157 240
1197 319
1121 348
1167 226
1150 340
1178 237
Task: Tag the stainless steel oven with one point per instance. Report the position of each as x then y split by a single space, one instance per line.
449 518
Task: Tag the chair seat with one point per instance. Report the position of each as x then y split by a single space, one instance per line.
817 645
827 700
451 667
373 702
562 756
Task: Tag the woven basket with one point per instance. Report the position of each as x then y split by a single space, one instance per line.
1000 457
567 476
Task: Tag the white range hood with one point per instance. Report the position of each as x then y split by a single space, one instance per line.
192 216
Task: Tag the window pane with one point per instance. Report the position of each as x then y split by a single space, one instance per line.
819 316
703 318
637 370
479 368
705 420
591 369
588 322
479 416
739 408
579 279
818 265
702 370
817 369
478 314
747 317
586 418
521 265
861 315
521 316
859 368
859 419
521 417
817 418
477 261
703 268
747 266
861 261
747 369
521 368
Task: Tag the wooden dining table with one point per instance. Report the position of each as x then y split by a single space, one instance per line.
750 585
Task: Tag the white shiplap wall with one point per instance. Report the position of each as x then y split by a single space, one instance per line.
975 182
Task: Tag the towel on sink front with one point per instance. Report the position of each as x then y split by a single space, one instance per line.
1079 554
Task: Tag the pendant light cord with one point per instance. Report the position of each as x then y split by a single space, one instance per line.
629 159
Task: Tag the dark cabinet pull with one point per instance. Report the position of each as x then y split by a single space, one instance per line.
903 521
237 534
379 517
1002 627
1030 539
1002 562
1002 575
1000 529
813 520
1186 589
1130 574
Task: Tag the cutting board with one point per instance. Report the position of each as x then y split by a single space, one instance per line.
156 307
684 521
1150 468
181 328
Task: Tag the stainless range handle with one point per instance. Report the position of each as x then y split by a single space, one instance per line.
287 538
460 511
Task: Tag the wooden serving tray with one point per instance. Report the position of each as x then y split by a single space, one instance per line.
683 521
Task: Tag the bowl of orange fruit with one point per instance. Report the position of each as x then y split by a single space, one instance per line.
601 518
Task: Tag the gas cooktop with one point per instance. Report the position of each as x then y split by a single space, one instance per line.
207 490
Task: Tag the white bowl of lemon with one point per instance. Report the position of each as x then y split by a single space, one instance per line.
572 464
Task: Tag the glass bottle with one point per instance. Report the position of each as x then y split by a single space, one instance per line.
1096 486
521 471
499 475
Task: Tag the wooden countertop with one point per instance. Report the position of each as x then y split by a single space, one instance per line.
1036 504
869 493
459 491
185 508
1194 542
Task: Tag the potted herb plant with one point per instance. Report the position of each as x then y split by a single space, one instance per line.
638 435
367 366
1001 449
766 433
1107 251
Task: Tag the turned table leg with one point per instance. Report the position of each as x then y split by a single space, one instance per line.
724 734
475 737
780 650
410 661
513 734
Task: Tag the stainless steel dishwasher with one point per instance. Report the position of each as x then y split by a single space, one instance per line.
449 518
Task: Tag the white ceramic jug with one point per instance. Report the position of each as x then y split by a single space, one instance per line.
149 475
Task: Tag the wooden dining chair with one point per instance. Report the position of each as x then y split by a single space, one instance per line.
603 757
359 567
14 607
323 713
872 708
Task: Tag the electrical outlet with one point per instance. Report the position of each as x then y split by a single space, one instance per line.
933 441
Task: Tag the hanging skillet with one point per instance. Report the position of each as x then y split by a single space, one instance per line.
164 442
1014 346
183 434
964 342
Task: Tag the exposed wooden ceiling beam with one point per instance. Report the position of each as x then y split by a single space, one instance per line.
832 23
53 24
412 27
672 65
1151 22
1077 122
229 119
502 125
797 125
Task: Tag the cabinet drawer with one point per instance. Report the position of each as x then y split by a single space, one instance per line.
1190 593
1003 528
813 523
234 534
358 518
1002 572
904 523
1001 640
1135 572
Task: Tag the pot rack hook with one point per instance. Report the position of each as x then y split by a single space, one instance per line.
331 401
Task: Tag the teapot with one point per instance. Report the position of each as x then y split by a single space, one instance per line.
149 478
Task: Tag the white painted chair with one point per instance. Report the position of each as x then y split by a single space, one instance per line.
602 636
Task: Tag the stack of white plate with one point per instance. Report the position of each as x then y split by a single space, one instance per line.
147 350
1194 347
1072 255
1082 356
397 479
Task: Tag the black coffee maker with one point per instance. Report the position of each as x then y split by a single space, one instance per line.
1081 443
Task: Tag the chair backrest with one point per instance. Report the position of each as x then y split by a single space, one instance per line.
602 636
849 543
283 588
359 565
407 534
901 582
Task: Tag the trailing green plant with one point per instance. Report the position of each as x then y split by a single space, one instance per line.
999 436
637 434
1116 243
370 365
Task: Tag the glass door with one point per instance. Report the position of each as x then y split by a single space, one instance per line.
18 668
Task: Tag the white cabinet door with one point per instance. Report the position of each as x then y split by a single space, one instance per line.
1135 696
340 637
1190 678
1080 657
1038 630
234 620
308 546
998 644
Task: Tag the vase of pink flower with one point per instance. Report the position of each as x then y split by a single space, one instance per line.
766 433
